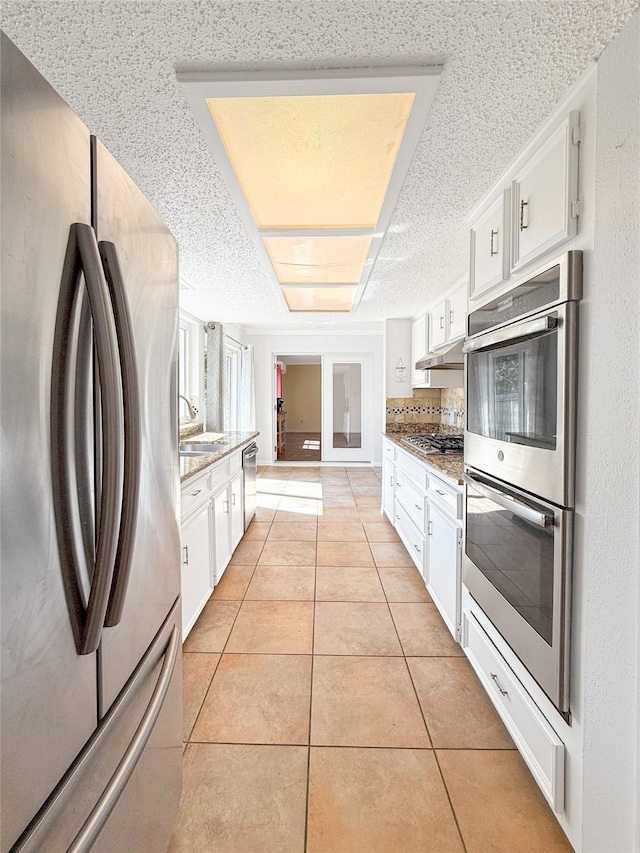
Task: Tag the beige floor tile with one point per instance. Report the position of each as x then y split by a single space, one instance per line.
369 491
297 514
367 501
336 501
242 799
378 801
498 805
264 515
288 554
341 532
372 515
257 699
247 552
197 672
344 554
365 701
303 489
257 530
287 532
380 532
390 554
403 583
233 584
458 712
422 631
339 515
354 629
282 583
272 485
212 629
273 627
348 583
267 500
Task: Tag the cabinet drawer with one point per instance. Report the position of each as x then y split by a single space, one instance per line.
445 496
389 450
194 492
416 471
413 503
538 743
413 540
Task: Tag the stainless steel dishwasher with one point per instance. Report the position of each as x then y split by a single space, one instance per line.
250 468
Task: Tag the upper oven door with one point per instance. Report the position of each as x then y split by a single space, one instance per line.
521 385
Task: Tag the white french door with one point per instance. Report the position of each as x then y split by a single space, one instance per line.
347 399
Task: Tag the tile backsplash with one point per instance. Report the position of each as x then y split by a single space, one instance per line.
427 406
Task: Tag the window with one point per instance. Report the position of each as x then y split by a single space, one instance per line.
190 366
233 361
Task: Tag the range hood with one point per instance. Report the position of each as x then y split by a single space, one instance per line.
450 359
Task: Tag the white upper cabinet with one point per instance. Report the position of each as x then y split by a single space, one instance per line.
490 258
544 194
439 324
458 312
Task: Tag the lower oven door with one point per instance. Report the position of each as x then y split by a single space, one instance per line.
517 566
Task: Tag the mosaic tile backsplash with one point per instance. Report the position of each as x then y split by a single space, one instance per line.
427 406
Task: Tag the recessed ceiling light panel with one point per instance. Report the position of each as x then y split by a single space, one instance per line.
315 162
319 298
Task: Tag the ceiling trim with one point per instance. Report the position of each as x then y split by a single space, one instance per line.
421 80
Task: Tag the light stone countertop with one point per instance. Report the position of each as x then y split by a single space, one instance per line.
449 465
190 465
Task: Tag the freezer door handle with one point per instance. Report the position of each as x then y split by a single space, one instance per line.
82 256
132 431
93 825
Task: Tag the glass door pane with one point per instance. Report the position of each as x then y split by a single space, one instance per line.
347 405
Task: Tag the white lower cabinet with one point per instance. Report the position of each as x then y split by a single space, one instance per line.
196 580
444 542
413 539
237 509
221 531
388 471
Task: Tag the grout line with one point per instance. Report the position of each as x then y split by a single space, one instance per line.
313 646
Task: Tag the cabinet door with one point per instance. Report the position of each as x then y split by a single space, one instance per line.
388 471
237 509
419 348
221 531
545 195
490 247
439 325
444 566
458 312
196 572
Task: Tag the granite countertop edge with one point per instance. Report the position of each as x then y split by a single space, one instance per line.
450 465
192 465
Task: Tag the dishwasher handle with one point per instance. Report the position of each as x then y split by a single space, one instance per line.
250 453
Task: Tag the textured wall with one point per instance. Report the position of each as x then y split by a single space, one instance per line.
610 582
301 390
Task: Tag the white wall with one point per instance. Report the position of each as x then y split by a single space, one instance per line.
265 346
397 344
611 614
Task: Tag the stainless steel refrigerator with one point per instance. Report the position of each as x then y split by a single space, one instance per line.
91 660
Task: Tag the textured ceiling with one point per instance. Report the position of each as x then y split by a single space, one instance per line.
506 64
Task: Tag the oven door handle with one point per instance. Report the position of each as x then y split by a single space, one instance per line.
512 333
519 509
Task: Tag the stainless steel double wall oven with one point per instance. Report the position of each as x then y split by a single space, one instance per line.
521 375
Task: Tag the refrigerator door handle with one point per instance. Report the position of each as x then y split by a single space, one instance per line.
94 823
132 431
82 256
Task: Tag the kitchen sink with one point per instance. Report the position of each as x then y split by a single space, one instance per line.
201 448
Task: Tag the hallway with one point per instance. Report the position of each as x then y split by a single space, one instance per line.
327 708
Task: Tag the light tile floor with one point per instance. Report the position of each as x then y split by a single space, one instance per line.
327 708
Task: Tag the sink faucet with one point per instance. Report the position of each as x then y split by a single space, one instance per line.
192 414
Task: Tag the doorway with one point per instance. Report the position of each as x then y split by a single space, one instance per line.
298 408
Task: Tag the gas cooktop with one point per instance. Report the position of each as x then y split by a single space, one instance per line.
436 442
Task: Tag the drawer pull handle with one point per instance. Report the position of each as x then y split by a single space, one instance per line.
440 492
430 528
491 249
233 498
417 549
417 506
523 204
442 322
185 562
498 685
197 492
391 481
225 505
